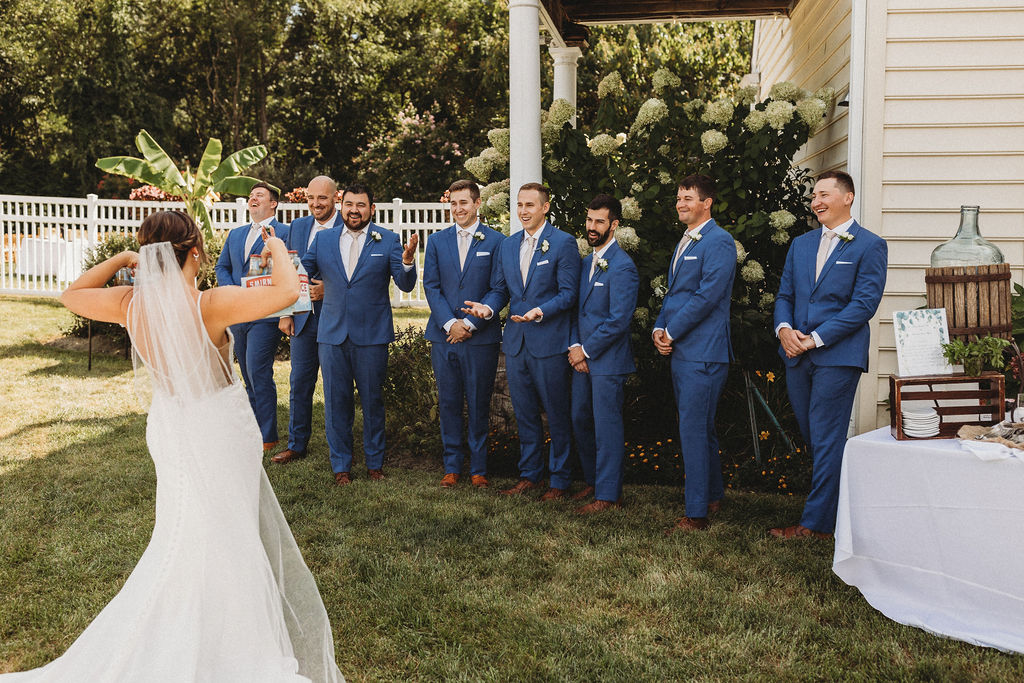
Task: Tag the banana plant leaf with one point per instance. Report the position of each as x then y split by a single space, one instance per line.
207 165
202 217
239 185
158 159
236 163
139 169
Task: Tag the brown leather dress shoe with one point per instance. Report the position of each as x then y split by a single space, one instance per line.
449 480
797 531
267 445
687 524
479 481
584 493
342 478
376 475
553 494
598 506
519 489
287 456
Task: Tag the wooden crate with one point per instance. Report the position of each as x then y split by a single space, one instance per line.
976 299
990 396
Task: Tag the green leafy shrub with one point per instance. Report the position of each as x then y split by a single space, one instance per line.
410 397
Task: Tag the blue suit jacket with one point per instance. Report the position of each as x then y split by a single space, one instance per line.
695 312
605 309
298 240
552 283
233 265
359 309
842 301
448 286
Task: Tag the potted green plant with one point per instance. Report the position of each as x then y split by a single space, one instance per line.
977 355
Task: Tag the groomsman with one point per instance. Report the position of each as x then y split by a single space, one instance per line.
693 329
538 275
255 342
356 263
602 356
463 351
831 287
301 329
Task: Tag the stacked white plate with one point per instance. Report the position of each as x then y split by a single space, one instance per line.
920 422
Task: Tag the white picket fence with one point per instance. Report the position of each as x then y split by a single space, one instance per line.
45 239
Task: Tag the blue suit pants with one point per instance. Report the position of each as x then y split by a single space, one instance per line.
367 367
822 398
305 366
255 344
597 422
464 374
534 383
698 386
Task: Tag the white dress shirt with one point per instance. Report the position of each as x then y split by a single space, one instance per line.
459 231
254 233
345 243
318 226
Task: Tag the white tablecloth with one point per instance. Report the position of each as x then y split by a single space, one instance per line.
42 257
933 537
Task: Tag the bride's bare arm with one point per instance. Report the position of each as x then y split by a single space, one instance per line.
88 297
232 305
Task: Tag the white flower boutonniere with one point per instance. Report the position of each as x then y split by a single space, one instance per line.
845 236
695 236
479 236
375 236
602 264
544 246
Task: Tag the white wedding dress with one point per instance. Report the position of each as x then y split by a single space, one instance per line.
221 592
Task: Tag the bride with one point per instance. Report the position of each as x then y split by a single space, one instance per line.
221 592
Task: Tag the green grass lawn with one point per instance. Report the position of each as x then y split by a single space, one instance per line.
424 583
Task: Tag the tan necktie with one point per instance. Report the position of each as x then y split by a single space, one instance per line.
463 247
353 252
593 265
823 246
526 256
250 239
679 250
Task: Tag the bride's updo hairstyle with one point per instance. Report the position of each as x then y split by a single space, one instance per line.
176 227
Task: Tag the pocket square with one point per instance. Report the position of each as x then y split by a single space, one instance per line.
376 254
483 253
844 263
541 263
689 258
599 284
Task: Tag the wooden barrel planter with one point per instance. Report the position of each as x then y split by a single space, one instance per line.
976 299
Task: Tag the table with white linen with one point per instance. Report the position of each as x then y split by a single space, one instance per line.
933 537
51 257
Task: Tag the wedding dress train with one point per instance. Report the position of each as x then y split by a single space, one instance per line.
221 592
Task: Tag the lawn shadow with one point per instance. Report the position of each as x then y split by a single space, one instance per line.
68 363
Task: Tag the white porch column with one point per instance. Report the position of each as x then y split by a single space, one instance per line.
523 98
565 75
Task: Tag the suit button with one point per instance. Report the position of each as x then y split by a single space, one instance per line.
524 298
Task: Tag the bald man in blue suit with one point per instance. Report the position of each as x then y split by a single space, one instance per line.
831 287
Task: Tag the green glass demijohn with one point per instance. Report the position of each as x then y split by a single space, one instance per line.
968 247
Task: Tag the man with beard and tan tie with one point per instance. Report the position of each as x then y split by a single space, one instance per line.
356 264
301 329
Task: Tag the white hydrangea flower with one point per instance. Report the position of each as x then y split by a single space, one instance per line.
498 202
637 188
553 164
752 271
693 107
664 150
631 209
560 112
621 138
664 177
784 90
780 237
767 299
609 85
495 157
498 186
659 286
741 252
718 113
481 168
713 141
499 138
583 246
755 120
642 316
781 220
627 238
779 113
651 111
811 110
602 145
825 93
664 79
747 96
743 300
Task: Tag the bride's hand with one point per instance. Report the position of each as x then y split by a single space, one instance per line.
129 259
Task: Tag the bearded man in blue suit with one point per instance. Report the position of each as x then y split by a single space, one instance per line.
356 264
831 287
464 352
301 328
255 342
538 276
602 356
693 329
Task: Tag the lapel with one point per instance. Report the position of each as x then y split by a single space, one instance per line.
691 247
598 273
473 244
368 243
543 234
450 242
833 257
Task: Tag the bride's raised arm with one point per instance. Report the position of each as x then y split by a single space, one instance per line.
231 305
88 297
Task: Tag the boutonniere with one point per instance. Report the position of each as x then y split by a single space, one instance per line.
845 236
695 236
602 264
479 236
375 236
544 246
